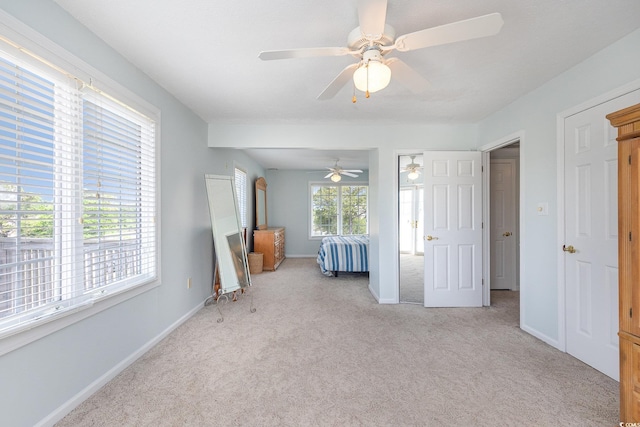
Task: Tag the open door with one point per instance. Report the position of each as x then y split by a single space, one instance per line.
453 229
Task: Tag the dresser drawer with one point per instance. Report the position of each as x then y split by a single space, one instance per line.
270 242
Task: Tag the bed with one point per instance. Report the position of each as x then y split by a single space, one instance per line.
343 253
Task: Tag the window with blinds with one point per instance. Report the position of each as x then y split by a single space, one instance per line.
240 178
77 194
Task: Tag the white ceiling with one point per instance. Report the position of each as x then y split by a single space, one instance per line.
205 53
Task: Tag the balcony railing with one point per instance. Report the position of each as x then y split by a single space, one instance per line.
29 274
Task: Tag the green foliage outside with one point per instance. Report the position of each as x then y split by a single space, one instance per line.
325 211
102 216
354 210
325 204
36 216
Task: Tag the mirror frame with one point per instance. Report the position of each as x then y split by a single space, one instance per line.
261 204
228 237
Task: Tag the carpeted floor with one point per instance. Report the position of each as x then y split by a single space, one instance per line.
412 278
320 351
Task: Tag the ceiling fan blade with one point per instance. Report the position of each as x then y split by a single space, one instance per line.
407 76
329 174
481 26
349 174
371 16
353 170
268 55
341 79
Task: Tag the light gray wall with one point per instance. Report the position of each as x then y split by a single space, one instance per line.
39 378
374 224
288 204
536 115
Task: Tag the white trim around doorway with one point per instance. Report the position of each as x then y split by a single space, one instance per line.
560 131
486 217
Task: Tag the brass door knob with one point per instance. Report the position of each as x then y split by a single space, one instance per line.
430 238
569 249
507 233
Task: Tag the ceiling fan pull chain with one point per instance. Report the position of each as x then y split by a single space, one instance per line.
367 92
354 100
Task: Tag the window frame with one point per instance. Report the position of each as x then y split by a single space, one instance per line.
244 217
340 216
48 52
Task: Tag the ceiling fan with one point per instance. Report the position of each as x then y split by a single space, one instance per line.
373 39
336 172
413 169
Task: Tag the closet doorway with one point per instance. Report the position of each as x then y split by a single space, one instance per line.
410 228
504 215
502 209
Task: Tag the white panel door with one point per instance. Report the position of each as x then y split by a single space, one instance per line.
503 224
453 229
591 230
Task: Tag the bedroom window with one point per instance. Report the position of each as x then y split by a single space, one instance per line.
338 210
77 194
240 178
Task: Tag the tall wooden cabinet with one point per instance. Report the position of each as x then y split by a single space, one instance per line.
270 242
628 123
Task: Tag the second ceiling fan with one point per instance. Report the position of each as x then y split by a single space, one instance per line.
374 38
336 172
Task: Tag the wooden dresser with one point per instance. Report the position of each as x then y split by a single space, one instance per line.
270 242
628 123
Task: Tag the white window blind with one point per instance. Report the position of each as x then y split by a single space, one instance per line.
119 193
241 194
77 194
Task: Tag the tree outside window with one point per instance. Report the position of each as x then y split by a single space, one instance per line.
354 209
338 209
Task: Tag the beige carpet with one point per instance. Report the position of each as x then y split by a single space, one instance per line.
412 278
320 351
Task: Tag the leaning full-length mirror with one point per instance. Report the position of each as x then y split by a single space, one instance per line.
229 245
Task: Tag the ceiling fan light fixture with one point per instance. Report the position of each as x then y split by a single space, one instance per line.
414 174
335 177
372 75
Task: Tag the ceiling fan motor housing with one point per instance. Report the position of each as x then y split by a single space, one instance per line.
357 41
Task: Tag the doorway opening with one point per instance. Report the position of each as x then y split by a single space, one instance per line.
502 214
410 229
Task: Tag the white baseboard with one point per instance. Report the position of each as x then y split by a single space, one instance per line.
552 342
84 394
375 295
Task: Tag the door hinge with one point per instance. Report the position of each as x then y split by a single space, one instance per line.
629 159
629 236
631 312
